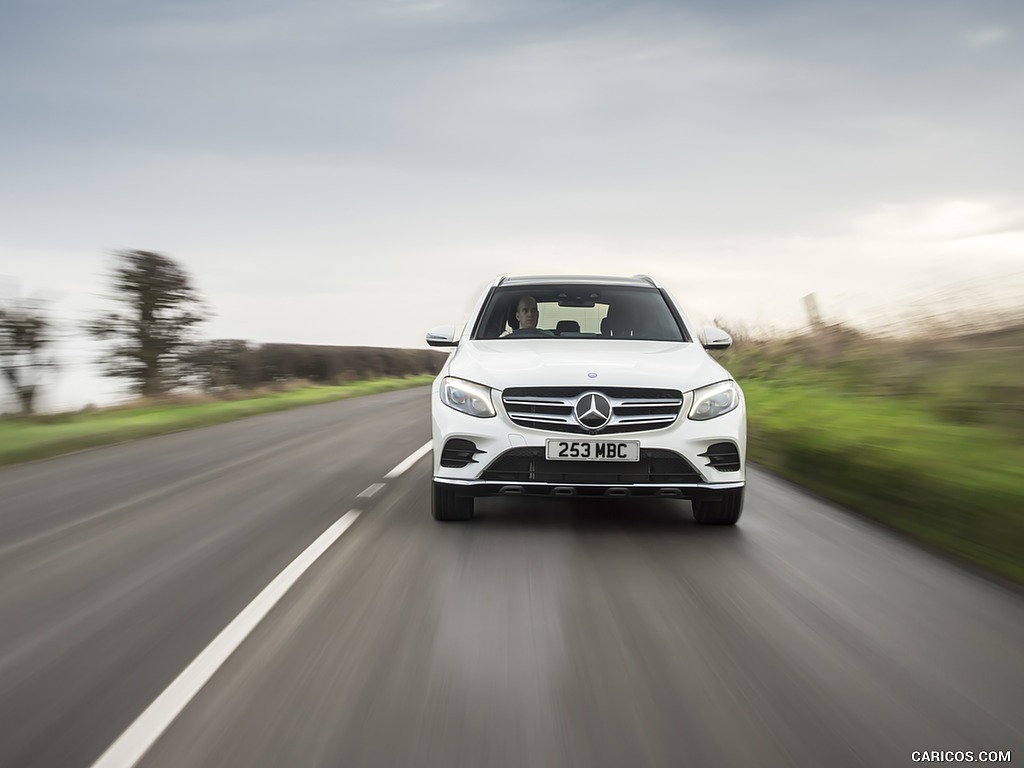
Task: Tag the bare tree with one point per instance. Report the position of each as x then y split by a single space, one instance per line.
160 309
25 333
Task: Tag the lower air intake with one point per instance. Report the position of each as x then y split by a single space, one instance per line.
459 453
656 465
725 457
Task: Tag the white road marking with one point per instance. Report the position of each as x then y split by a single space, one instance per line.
370 492
147 728
416 456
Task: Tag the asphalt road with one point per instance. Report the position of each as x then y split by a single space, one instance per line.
554 633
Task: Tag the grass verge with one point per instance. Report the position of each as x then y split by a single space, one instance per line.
954 486
37 438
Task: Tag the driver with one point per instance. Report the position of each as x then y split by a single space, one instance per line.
526 314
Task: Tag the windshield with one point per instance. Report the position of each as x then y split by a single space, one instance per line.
578 311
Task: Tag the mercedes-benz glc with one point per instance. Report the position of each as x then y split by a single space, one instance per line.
585 386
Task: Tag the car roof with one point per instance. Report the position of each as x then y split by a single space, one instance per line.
640 281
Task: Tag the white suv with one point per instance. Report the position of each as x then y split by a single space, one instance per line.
608 394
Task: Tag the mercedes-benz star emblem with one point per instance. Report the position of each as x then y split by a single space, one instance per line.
593 411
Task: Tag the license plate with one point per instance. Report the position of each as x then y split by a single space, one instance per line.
593 450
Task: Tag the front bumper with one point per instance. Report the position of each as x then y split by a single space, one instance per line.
507 459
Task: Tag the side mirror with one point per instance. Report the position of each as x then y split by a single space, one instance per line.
442 336
716 338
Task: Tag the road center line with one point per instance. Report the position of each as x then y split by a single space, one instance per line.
370 492
147 728
418 454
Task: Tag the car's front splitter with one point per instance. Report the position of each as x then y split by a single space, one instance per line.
589 490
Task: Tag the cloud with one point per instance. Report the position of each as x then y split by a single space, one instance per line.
986 37
290 152
939 221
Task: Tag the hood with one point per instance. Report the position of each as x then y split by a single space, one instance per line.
503 363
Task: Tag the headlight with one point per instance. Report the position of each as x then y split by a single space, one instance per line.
467 397
715 400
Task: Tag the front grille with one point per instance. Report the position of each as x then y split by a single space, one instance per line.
656 465
633 409
724 457
458 453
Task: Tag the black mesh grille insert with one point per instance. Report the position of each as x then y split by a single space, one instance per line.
656 465
724 457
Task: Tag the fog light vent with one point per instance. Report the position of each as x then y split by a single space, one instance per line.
724 457
458 453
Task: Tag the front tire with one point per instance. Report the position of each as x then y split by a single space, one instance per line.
447 506
723 510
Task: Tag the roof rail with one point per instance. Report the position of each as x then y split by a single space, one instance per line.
501 279
648 278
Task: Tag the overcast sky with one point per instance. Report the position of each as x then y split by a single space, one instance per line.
356 172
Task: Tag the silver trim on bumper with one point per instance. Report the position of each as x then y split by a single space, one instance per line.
503 483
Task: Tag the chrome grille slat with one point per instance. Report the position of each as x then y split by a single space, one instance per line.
539 401
647 403
553 418
552 407
643 419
